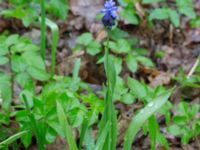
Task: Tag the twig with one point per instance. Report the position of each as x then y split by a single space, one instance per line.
193 68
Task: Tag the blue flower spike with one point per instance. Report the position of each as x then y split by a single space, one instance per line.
110 14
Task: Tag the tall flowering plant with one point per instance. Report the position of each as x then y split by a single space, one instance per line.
109 119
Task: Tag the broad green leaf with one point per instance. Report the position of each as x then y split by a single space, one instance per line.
145 61
26 15
121 46
93 48
120 89
195 23
194 110
12 39
3 60
59 8
129 16
18 63
186 7
5 90
38 73
137 88
76 117
174 130
118 64
66 127
3 49
85 39
159 13
165 13
128 98
24 80
117 33
33 59
174 17
183 108
131 63
180 120
140 118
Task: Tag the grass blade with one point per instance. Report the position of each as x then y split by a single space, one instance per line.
76 69
66 127
142 116
102 137
84 128
13 138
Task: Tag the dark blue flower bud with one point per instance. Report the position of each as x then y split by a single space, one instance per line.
109 14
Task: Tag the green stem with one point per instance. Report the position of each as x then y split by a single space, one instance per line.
109 113
55 37
43 29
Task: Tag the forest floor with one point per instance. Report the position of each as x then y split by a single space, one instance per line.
180 45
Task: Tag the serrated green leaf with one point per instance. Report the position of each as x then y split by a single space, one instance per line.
186 7
174 17
131 63
159 13
137 88
174 130
129 16
180 120
93 48
58 8
145 61
38 73
85 39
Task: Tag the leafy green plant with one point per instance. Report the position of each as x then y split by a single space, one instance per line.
143 116
165 13
148 96
185 125
128 14
119 46
25 64
87 42
28 11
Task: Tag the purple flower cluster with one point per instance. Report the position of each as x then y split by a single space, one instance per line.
109 14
